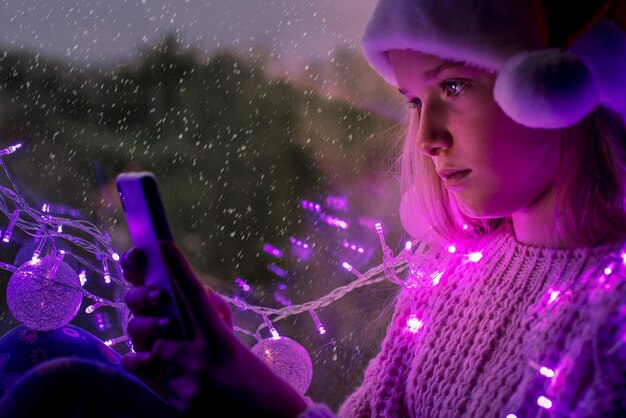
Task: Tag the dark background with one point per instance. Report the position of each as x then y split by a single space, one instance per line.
236 146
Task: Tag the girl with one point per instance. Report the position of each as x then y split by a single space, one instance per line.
515 151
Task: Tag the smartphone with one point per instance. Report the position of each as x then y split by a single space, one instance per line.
147 225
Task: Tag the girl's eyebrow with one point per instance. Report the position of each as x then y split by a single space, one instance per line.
434 72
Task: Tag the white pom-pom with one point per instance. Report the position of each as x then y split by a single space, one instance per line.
546 89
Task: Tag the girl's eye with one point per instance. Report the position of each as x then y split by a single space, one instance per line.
415 103
453 88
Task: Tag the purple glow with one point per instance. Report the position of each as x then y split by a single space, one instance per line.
45 207
277 270
368 222
331 220
346 266
102 321
553 296
353 247
302 250
271 250
475 257
451 248
243 285
10 150
544 402
337 202
413 324
311 206
281 299
547 372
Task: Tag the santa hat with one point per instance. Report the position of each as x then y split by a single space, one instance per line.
556 60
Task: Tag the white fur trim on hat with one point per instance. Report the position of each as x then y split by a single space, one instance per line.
537 87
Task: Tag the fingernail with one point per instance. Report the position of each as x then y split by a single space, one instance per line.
154 295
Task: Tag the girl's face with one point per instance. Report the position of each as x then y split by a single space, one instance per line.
505 167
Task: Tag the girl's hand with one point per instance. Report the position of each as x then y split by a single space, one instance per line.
212 371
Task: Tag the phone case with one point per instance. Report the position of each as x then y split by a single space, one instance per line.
147 225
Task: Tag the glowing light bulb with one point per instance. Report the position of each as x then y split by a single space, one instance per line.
547 372
511 416
346 266
92 308
436 276
413 324
10 150
115 256
408 246
9 230
553 296
544 402
451 248
318 323
475 257
82 276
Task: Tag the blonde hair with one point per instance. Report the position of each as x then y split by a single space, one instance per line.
589 198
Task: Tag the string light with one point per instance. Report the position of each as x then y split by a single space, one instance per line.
9 231
318 323
544 402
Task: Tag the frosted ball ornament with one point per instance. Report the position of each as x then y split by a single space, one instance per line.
288 359
44 294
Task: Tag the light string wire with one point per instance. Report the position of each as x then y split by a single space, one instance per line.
50 229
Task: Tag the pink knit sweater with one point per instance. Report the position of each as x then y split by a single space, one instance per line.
488 329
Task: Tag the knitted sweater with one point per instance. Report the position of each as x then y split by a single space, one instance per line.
488 329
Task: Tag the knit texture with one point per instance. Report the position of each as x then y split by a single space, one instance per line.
488 328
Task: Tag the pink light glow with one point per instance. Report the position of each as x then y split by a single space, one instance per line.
413 324
475 257
271 250
553 296
451 248
544 402
547 372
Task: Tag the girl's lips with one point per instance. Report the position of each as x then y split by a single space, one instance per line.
456 179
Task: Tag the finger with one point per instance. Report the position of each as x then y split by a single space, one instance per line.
148 328
144 300
183 389
223 309
138 362
170 352
134 264
197 300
